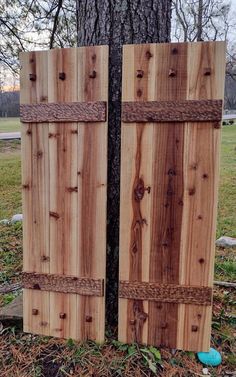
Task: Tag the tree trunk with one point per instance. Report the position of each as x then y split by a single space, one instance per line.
199 20
114 23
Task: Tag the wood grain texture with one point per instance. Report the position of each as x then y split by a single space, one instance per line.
201 174
177 173
63 283
60 160
165 293
92 186
35 183
63 112
136 179
172 111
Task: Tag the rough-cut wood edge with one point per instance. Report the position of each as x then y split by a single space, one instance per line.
172 111
63 112
172 293
61 283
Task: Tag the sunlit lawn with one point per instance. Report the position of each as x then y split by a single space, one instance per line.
9 124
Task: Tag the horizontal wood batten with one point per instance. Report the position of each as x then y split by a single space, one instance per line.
63 112
171 293
172 111
61 283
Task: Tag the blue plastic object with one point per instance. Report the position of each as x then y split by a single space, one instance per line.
212 358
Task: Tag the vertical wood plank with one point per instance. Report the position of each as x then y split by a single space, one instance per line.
35 178
92 186
201 170
167 202
136 162
63 191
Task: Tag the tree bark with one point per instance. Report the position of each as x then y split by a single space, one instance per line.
114 23
199 20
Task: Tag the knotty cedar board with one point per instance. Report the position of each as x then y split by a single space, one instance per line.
64 178
168 236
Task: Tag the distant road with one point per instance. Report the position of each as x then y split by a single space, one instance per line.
10 135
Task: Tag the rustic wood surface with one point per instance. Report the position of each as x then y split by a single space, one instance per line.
172 111
169 180
35 190
63 283
165 293
60 206
63 112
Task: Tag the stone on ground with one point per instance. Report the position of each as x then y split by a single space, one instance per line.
226 241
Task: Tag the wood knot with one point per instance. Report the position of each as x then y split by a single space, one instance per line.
62 76
43 98
43 323
144 222
72 189
62 315
191 191
32 77
74 131
174 51
26 186
180 203
50 135
204 176
132 322
171 172
29 132
148 54
134 248
207 71
139 190
139 92
35 312
88 318
201 260
199 217
142 316
54 214
94 57
39 154
93 74
172 72
139 73
194 328
164 325
45 258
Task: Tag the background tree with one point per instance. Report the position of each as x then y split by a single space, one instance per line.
117 22
198 20
34 24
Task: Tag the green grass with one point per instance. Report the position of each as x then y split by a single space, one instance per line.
9 124
10 178
227 194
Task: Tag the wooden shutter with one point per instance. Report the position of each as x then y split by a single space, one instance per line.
169 179
64 174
